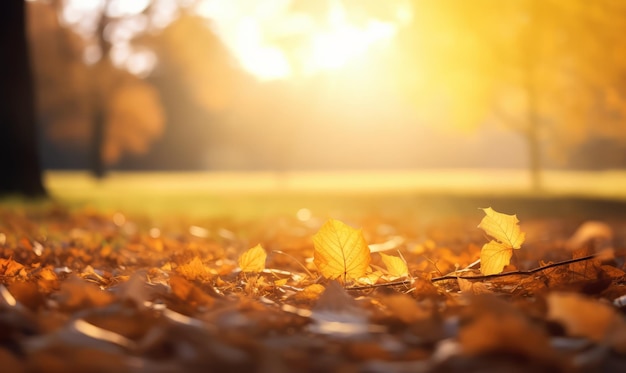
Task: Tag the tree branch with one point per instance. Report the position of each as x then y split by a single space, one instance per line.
481 277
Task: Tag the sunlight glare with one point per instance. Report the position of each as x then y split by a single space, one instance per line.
120 53
92 54
264 61
82 15
342 42
164 12
269 39
256 34
141 62
122 8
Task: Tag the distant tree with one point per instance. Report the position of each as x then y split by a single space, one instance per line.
200 82
553 70
192 52
20 170
98 107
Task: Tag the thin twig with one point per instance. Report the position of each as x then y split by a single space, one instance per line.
513 273
481 277
294 259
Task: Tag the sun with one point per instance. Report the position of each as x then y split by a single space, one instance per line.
271 41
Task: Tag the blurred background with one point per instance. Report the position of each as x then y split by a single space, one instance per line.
288 85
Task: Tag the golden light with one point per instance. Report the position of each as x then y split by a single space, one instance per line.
83 15
342 42
274 42
269 39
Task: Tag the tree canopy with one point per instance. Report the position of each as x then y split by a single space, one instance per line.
554 67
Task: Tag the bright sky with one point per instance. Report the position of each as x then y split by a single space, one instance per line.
255 31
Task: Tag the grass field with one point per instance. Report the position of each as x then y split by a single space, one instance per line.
253 194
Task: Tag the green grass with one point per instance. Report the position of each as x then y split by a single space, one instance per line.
256 194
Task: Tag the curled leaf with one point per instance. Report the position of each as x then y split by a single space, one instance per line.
253 260
340 251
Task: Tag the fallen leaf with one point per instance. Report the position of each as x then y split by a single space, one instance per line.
9 267
194 270
595 233
406 309
494 257
340 251
496 254
76 293
281 282
370 278
311 292
188 292
10 362
395 265
253 260
495 326
588 318
502 227
471 287
337 313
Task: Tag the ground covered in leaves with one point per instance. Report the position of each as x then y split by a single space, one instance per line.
91 291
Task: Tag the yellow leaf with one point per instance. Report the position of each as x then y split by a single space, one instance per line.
504 228
496 254
253 260
494 257
395 265
340 251
370 278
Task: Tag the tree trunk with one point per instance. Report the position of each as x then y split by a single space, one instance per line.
534 149
20 168
531 64
98 167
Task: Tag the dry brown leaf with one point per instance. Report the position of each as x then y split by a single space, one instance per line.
9 267
590 232
496 326
589 318
10 362
76 293
194 270
188 292
406 308
473 287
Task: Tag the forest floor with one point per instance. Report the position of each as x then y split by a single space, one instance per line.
151 281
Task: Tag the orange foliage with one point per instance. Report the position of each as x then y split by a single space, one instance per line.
70 92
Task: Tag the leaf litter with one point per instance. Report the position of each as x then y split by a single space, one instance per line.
85 291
